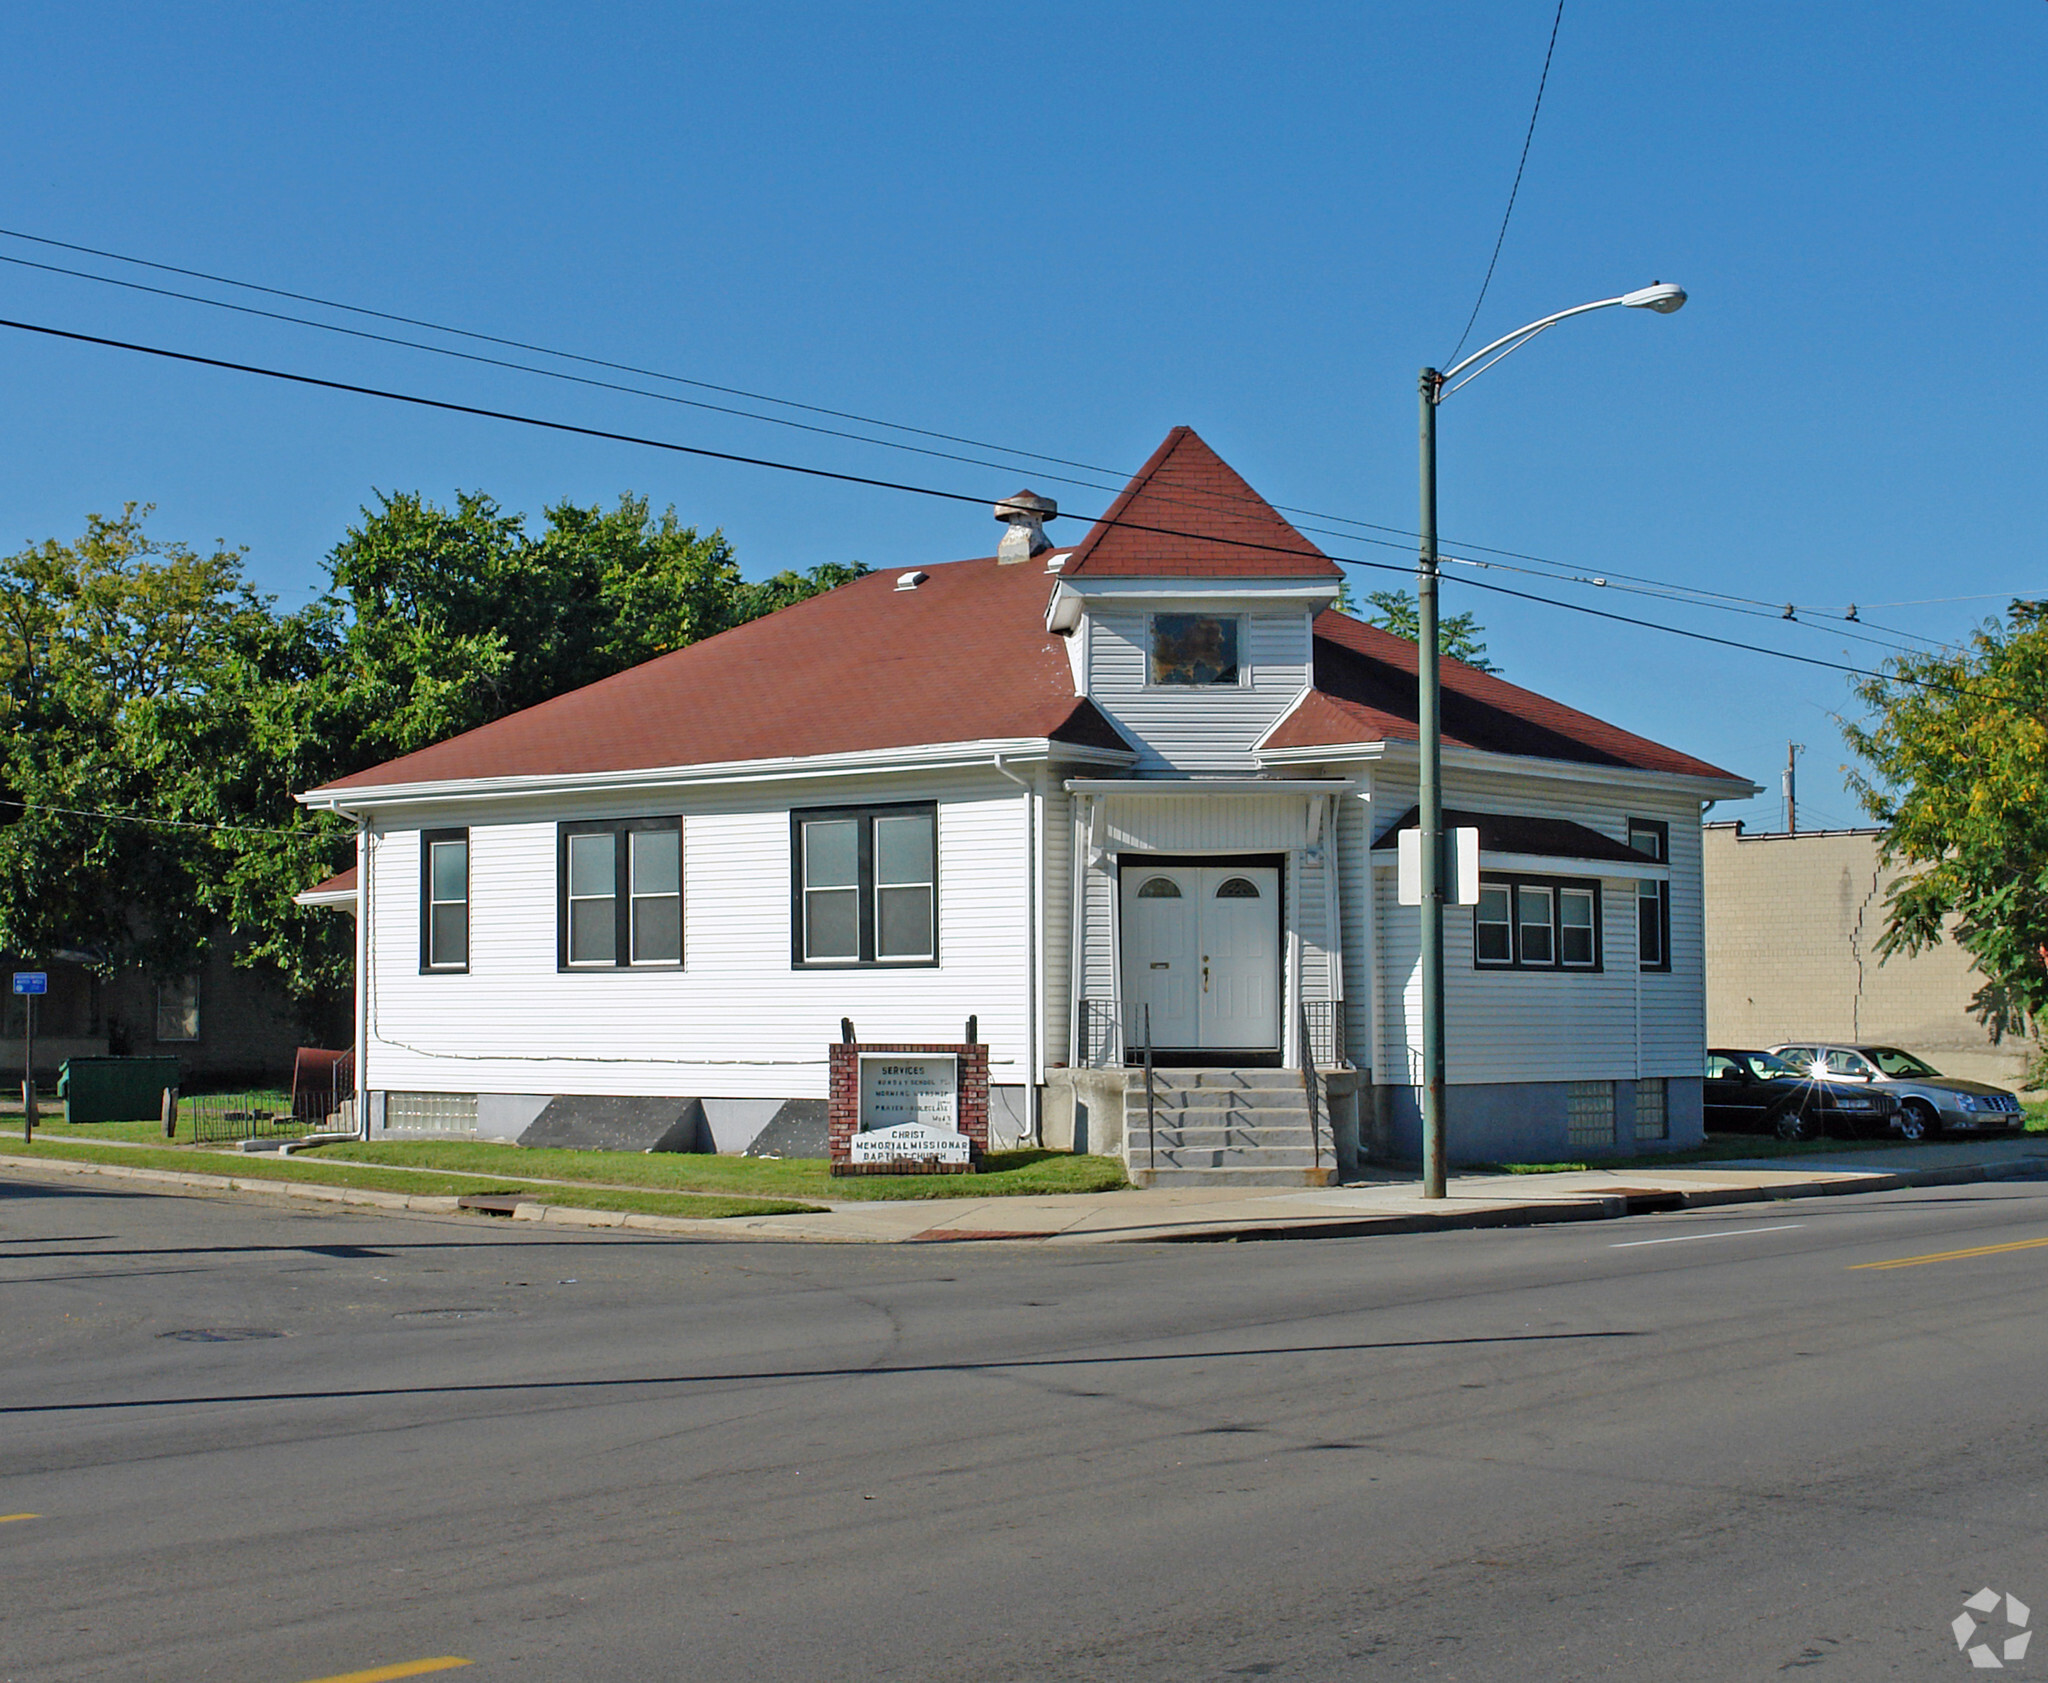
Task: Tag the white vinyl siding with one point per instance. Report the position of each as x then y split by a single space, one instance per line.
1189 827
1197 727
1620 1023
738 1021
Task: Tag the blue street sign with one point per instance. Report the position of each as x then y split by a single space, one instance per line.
31 981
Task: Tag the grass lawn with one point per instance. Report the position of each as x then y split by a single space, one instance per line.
236 1166
1006 1174
50 1116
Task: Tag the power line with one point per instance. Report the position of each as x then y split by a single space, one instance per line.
1514 192
1560 569
448 407
172 823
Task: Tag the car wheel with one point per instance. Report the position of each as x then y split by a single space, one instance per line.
1917 1121
1790 1122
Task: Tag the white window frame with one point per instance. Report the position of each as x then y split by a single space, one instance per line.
1523 889
431 841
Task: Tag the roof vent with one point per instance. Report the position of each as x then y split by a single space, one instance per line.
910 581
1025 514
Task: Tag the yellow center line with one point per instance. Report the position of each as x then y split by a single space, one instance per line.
1954 1256
6 1518
405 1668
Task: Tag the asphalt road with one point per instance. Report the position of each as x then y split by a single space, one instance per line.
1711 1445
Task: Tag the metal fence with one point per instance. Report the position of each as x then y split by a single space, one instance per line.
319 1099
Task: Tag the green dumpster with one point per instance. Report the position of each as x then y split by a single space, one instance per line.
115 1089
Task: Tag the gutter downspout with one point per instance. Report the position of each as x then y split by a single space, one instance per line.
1031 1024
362 1011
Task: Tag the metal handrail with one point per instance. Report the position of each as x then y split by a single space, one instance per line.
1308 1084
1151 1110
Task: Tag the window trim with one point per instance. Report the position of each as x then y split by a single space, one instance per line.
1557 888
863 818
1648 889
622 895
428 839
1244 669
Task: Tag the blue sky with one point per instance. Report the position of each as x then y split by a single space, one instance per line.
1065 229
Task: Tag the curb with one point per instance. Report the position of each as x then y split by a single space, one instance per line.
418 1202
1593 1207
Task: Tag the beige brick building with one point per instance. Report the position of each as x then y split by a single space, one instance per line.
1792 925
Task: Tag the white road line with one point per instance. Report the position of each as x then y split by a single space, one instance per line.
1730 1233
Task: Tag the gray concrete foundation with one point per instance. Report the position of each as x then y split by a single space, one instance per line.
1525 1122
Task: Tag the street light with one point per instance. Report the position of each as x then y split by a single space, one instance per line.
1662 297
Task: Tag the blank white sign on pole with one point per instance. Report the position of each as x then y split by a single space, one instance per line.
1461 850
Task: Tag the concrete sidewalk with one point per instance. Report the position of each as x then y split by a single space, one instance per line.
1222 1214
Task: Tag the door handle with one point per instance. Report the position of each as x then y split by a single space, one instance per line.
1205 972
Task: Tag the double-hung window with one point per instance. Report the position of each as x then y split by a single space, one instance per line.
1651 837
1525 924
864 885
620 894
444 900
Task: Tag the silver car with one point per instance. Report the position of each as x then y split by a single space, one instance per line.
1929 1102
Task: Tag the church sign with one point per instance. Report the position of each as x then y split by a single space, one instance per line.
908 1109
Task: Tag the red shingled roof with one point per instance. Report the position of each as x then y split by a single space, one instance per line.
1187 488
964 657
1365 692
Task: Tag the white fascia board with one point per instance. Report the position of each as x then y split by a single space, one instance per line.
1296 786
1400 751
334 897
1549 865
1202 588
938 756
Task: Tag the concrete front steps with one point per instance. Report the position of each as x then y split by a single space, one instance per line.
1226 1127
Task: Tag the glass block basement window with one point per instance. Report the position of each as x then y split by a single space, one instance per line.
1589 1112
430 1113
1653 1121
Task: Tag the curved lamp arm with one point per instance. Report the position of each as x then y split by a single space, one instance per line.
1661 296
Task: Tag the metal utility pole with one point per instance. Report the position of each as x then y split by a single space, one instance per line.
1661 297
28 1067
1792 752
1430 802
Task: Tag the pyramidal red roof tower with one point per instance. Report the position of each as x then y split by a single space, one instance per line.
1187 514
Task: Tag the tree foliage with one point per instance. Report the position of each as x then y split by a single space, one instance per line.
1957 746
1460 636
142 677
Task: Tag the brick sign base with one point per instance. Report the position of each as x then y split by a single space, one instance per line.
843 1105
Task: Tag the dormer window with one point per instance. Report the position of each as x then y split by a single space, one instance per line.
1194 649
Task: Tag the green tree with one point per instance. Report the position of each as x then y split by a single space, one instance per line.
457 617
1957 746
1461 637
113 649
147 679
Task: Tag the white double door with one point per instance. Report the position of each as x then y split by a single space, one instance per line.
1201 947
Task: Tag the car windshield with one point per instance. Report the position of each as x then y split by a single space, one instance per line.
1891 1061
1765 1067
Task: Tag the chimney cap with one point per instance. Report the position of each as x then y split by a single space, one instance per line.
1026 505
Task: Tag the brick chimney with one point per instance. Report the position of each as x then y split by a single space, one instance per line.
1025 514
